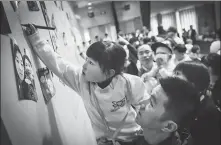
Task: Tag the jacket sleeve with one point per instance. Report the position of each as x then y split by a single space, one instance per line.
138 91
67 72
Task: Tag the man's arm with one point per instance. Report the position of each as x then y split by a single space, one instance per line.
138 91
63 69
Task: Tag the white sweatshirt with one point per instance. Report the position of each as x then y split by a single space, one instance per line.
112 99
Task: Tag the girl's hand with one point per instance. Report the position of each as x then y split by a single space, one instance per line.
30 30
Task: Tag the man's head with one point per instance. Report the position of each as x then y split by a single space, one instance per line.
172 104
105 34
105 60
134 41
145 54
96 38
171 32
179 51
189 41
191 27
162 53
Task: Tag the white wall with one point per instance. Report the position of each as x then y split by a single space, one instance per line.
132 13
98 19
64 120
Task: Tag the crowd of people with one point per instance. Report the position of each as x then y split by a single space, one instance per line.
145 89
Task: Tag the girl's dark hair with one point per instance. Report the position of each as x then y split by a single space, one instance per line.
212 60
196 73
25 57
109 55
16 49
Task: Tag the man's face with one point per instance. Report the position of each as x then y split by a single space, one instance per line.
151 111
178 55
170 34
92 71
145 54
162 56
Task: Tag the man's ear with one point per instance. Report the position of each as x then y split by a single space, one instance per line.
169 126
111 73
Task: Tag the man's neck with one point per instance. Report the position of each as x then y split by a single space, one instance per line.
148 66
155 137
180 58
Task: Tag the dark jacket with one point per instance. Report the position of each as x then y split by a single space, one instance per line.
206 128
132 68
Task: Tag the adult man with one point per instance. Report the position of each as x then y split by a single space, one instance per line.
172 35
171 107
134 42
145 56
106 37
163 54
180 54
192 34
147 67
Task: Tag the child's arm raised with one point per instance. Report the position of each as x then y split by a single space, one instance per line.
63 69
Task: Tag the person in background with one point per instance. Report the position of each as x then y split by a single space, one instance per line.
146 40
97 38
195 53
185 35
146 63
161 32
171 106
132 67
180 54
84 46
189 45
215 46
134 42
106 37
163 55
106 91
172 35
192 34
147 67
137 34
212 61
205 128
89 42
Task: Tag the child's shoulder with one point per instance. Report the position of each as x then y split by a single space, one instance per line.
132 79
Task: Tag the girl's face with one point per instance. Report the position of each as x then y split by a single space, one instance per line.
19 65
28 68
92 71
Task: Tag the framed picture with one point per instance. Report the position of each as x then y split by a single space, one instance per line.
29 82
47 86
33 6
23 74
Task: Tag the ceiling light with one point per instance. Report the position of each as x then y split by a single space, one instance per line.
89 4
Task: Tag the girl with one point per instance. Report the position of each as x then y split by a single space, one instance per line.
107 92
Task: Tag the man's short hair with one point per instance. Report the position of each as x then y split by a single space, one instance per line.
182 103
172 29
132 40
180 48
